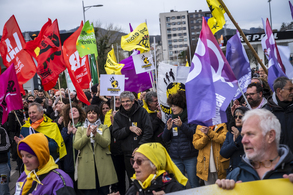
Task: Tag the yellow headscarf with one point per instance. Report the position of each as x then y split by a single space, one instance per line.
39 144
159 156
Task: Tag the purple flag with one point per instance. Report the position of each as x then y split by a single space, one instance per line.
291 8
10 97
210 84
238 60
276 66
131 29
134 82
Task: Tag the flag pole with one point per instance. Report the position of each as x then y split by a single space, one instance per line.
117 53
60 88
17 118
248 105
70 102
155 53
97 66
243 36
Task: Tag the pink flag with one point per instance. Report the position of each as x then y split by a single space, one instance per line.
10 97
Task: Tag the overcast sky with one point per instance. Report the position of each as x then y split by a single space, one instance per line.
32 14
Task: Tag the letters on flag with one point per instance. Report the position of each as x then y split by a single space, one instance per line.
11 50
47 49
10 97
137 39
111 66
211 84
73 63
216 22
143 62
276 68
170 79
86 43
112 85
79 66
238 60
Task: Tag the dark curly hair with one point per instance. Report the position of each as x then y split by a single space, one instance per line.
177 99
66 113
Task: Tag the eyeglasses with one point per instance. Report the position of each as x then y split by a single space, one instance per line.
250 94
239 116
138 161
289 89
127 101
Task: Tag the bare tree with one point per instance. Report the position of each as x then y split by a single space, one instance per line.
106 37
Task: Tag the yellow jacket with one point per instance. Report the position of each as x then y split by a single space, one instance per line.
203 143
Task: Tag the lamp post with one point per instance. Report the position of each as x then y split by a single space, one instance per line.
85 8
270 13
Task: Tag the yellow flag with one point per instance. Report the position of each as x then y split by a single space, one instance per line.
187 65
217 22
111 66
137 39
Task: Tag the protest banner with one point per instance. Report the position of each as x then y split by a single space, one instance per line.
143 62
111 85
170 80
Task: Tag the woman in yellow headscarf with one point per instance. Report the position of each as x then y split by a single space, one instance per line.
155 172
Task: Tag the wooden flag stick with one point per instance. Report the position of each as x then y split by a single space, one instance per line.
60 94
243 36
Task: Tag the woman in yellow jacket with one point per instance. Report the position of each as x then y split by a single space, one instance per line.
208 141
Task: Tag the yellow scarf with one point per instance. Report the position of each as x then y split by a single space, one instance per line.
47 127
34 176
145 106
148 181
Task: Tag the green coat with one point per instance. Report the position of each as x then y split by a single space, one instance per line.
103 161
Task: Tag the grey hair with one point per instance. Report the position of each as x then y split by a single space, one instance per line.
267 121
239 111
149 95
39 106
127 94
280 83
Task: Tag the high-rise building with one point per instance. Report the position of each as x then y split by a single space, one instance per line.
195 23
174 33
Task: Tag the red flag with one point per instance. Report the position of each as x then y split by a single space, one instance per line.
10 97
11 50
77 67
47 48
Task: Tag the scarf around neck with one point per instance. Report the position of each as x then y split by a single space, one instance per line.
147 183
182 115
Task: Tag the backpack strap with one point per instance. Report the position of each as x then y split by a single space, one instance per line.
63 180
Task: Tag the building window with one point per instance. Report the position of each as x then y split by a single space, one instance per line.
184 34
170 53
179 29
191 22
169 41
174 29
184 28
168 25
173 23
191 15
182 17
178 17
185 45
185 39
178 23
174 35
175 46
170 47
192 33
197 33
180 45
175 40
169 36
168 19
173 18
183 22
192 28
179 34
193 38
168 30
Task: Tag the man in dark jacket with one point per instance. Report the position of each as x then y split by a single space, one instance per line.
152 107
132 125
281 105
264 158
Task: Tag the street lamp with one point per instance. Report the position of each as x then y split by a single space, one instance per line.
85 8
270 13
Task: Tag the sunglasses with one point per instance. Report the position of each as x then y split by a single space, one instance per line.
240 117
138 161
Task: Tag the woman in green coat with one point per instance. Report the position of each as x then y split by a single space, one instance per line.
95 167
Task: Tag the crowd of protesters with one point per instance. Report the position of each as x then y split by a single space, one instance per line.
97 146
